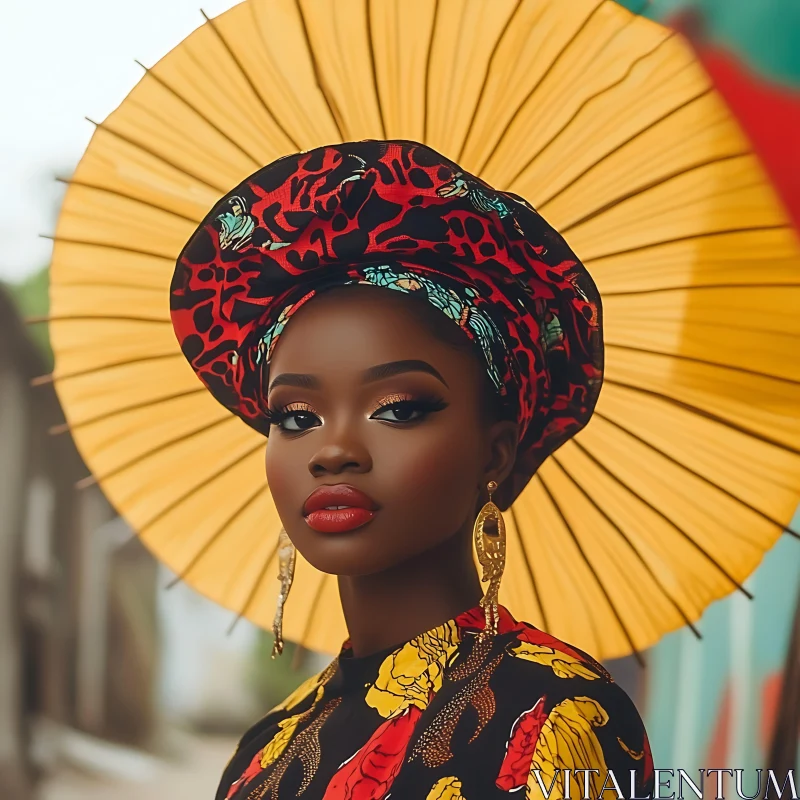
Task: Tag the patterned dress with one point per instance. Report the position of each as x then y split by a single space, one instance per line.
450 715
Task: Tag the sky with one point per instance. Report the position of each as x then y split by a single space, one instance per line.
62 62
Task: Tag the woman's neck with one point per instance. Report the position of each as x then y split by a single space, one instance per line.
395 605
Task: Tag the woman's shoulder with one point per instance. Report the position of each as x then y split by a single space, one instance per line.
532 645
568 710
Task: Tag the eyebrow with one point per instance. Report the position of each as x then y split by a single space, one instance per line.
295 379
391 368
376 373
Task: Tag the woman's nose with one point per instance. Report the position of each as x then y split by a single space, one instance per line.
337 457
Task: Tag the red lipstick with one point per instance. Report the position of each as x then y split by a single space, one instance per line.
338 508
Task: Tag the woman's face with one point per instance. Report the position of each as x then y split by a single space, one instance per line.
365 397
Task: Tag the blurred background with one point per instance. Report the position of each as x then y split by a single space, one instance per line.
114 681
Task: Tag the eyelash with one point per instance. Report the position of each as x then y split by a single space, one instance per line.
427 404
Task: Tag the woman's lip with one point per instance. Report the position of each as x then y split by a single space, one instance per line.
338 494
338 520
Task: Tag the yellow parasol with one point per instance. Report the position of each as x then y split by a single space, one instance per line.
690 467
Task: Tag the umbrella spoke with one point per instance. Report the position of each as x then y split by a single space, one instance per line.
766 517
688 238
654 184
195 489
122 248
125 196
330 102
550 67
153 154
529 567
428 55
482 91
674 525
587 561
82 373
557 135
73 426
184 437
368 11
706 414
701 286
603 513
204 548
704 361
254 589
617 148
161 82
230 51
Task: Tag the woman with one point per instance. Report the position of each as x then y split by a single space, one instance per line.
392 432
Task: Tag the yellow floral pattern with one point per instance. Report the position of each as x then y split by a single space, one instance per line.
410 675
315 682
448 788
568 742
562 664
286 729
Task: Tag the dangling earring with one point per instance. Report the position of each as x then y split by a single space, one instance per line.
287 555
491 549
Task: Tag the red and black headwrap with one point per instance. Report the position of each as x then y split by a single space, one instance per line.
395 214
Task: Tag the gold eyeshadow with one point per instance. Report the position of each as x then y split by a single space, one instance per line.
390 399
298 406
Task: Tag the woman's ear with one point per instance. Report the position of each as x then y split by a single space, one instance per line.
503 440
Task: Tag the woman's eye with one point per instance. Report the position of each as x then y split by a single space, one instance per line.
401 412
298 421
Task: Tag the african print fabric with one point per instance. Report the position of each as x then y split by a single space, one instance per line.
396 215
450 716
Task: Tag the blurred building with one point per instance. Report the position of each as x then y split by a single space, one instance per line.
77 633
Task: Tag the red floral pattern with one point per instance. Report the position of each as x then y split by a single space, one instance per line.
330 215
449 716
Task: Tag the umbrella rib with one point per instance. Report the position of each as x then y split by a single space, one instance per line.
689 238
428 72
199 113
123 249
529 567
105 284
329 100
589 564
139 146
551 66
486 74
93 317
53 378
184 437
184 573
373 68
758 512
249 81
135 407
125 196
654 184
700 286
557 135
196 488
706 414
627 540
669 521
704 362
619 147
252 592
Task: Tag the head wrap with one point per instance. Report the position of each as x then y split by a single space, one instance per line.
395 214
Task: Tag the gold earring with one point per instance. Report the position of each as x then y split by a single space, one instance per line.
491 549
287 555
